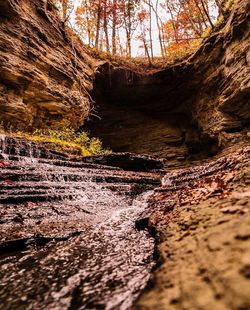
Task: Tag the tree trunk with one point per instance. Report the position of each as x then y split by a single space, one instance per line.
207 13
98 24
129 29
150 30
105 27
64 10
114 27
159 29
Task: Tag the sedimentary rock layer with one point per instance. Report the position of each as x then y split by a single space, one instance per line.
67 229
202 216
185 108
191 107
44 77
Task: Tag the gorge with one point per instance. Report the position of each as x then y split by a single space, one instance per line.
163 221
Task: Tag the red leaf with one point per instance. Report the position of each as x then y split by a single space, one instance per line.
8 181
2 164
30 204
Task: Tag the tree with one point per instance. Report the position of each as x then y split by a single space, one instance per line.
129 8
112 25
66 8
186 25
143 16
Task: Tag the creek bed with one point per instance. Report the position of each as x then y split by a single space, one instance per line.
72 244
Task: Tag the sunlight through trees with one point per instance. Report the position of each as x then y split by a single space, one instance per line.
169 29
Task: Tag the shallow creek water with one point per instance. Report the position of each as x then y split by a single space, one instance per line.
104 262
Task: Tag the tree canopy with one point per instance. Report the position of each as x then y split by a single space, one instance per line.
157 28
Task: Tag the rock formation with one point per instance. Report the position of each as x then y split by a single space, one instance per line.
185 108
78 233
202 217
67 229
44 77
221 106
188 107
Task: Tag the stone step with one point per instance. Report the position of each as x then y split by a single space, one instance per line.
24 160
17 149
14 176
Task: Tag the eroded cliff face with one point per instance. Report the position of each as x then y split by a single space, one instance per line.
194 107
44 78
222 106
79 231
202 216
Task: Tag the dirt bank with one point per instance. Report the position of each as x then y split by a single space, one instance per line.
202 216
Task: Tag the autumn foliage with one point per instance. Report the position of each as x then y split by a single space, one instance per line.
170 29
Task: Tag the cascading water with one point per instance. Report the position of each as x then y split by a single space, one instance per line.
104 262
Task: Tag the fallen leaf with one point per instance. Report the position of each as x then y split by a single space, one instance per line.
2 164
8 181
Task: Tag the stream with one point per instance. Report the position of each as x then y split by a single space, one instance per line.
68 234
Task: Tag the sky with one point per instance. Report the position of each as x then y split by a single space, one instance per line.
136 50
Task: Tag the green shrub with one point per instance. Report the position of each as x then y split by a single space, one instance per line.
65 140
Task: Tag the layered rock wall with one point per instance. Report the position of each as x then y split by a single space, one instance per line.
44 77
222 65
191 107
188 107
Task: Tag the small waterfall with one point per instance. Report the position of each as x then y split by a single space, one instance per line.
107 263
22 150
3 150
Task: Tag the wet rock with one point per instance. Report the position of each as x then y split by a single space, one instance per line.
128 161
69 228
142 223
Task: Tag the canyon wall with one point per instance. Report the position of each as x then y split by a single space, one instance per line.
198 105
222 65
44 77
199 215
193 107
